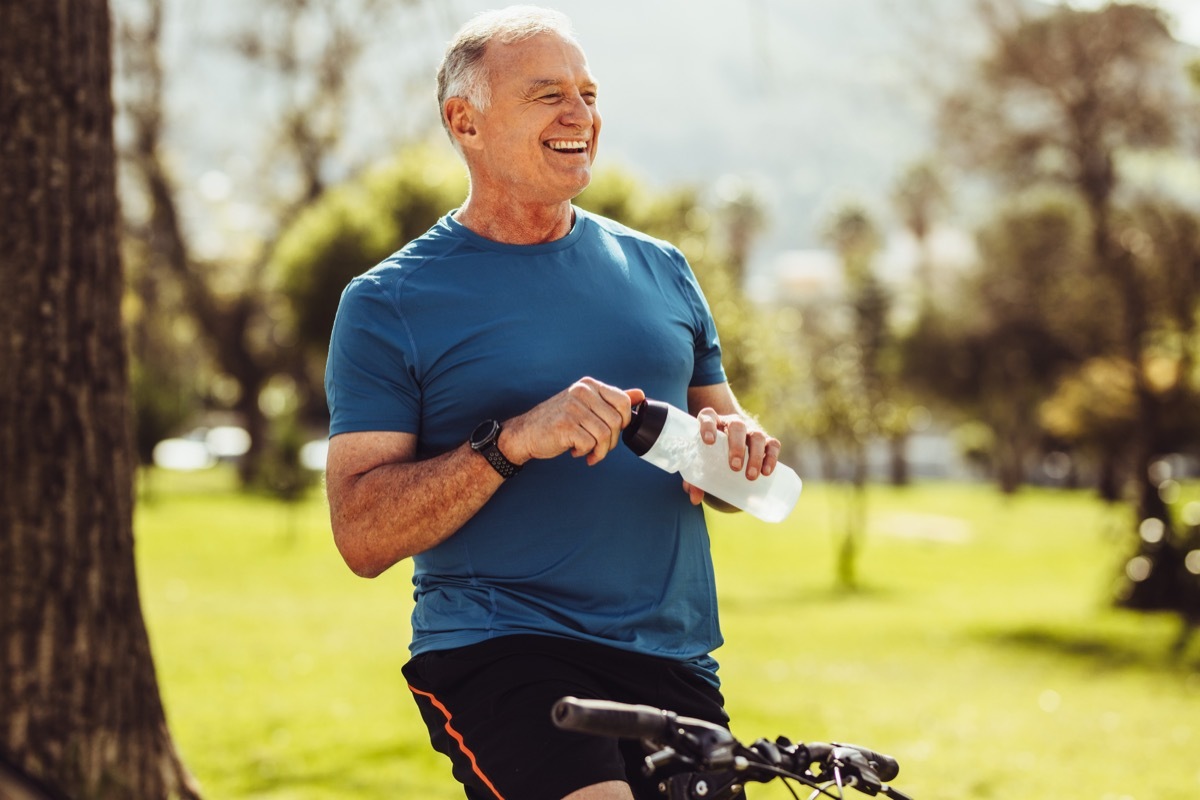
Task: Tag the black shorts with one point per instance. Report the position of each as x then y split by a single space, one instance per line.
487 707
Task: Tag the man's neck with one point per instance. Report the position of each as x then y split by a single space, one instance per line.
517 224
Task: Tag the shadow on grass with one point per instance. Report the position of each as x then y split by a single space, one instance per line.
1104 653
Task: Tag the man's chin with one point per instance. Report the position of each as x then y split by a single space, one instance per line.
570 189
583 180
585 183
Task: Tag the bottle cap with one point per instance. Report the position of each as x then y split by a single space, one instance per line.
649 417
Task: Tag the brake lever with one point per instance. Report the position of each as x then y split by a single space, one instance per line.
695 743
859 772
661 758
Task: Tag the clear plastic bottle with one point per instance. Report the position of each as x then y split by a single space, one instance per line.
669 438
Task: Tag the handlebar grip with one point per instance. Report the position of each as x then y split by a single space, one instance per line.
609 718
885 767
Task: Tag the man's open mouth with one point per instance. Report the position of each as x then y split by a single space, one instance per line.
564 146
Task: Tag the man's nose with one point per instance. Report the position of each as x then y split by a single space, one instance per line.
576 112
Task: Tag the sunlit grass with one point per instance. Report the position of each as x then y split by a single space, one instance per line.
991 666
979 647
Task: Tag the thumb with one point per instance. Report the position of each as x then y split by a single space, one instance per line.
635 396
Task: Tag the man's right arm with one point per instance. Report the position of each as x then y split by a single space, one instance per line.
386 506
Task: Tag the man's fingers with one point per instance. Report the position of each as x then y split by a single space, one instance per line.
710 423
582 443
771 455
751 451
585 419
603 412
756 450
601 429
736 431
589 432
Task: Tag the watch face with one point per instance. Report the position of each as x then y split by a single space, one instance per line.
483 441
485 433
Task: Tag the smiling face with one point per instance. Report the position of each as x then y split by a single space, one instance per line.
536 141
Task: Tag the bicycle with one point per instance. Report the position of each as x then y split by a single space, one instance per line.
716 766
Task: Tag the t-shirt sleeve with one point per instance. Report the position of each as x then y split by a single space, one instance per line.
707 369
370 377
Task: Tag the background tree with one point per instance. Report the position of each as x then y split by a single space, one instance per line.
82 712
1163 242
919 196
349 230
742 216
856 238
1024 322
1066 97
848 344
308 51
1058 98
1095 407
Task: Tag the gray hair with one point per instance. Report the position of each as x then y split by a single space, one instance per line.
463 73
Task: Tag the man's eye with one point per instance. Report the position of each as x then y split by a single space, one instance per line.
589 98
554 97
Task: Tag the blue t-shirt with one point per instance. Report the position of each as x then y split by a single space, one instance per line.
454 329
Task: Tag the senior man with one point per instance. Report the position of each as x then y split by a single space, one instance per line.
478 382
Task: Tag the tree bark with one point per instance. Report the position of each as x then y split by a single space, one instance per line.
81 711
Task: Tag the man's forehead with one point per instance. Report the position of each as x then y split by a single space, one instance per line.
548 55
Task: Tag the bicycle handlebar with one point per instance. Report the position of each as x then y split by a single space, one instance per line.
615 720
884 766
705 747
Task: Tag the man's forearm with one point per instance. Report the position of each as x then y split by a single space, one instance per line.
386 506
395 511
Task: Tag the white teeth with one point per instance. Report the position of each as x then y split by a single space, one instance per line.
572 146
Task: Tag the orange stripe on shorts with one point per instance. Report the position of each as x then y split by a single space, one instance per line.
462 745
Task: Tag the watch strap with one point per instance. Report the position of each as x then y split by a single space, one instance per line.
501 464
484 441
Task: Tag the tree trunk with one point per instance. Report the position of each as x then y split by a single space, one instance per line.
852 535
898 461
80 700
1108 484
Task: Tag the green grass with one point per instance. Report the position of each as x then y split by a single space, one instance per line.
979 648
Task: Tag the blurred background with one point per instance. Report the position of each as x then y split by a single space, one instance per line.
942 238
946 242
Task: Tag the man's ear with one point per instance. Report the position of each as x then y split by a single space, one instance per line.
460 117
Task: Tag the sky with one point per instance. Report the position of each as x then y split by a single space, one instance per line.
1187 16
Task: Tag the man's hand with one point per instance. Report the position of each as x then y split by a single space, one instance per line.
586 419
751 450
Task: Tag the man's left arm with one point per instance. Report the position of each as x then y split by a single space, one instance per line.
751 449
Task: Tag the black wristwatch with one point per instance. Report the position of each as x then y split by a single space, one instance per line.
483 441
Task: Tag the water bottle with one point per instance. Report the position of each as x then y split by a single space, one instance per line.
670 439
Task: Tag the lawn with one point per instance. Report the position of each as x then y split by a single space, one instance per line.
979 648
